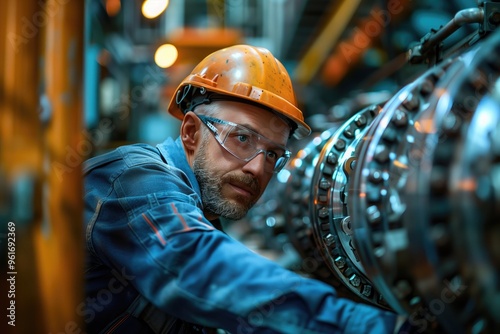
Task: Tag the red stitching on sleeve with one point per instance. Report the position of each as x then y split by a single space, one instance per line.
163 242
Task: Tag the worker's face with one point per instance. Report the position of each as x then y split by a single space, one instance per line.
230 186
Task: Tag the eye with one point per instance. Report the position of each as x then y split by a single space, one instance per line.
272 155
242 138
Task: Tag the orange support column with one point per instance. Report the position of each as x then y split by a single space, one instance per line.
59 241
41 239
20 167
19 69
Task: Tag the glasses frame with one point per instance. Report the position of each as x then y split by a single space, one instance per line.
280 162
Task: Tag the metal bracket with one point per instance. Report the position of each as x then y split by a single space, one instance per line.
491 16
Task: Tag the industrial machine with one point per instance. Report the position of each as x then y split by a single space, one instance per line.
397 205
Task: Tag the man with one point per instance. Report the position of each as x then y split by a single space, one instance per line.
158 261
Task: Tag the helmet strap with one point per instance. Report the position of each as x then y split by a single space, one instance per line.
190 97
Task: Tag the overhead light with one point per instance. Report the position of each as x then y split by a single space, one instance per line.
166 55
113 7
153 8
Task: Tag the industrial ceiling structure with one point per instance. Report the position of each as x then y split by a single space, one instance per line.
334 50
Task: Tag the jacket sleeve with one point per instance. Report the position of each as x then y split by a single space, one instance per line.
189 269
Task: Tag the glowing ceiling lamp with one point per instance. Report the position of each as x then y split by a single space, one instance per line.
153 8
113 7
166 55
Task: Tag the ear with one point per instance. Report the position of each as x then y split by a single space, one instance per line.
190 132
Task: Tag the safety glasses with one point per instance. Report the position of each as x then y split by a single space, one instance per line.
245 144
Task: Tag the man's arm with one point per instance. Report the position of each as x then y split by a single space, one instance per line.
187 268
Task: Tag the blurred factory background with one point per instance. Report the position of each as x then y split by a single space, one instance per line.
78 78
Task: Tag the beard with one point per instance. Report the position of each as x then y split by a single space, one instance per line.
211 188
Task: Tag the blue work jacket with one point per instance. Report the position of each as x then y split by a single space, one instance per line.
152 257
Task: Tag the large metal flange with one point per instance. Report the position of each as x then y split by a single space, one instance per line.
422 187
295 206
474 187
431 218
402 205
377 202
330 218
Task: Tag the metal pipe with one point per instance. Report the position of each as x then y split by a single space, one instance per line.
315 56
470 15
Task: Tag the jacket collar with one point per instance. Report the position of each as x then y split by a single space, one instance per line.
173 153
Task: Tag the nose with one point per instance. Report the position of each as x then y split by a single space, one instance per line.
256 165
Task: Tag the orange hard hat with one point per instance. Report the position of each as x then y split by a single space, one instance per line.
241 72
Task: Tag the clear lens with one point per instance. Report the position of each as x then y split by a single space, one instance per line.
246 144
